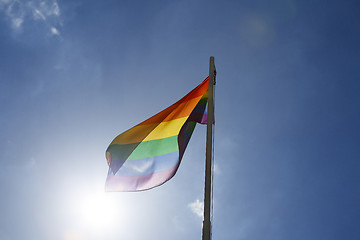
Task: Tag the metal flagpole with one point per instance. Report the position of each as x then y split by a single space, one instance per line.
206 235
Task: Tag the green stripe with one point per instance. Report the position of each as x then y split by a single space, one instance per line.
145 149
154 148
120 152
203 101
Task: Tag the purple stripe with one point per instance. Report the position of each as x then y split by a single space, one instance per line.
184 136
198 117
138 183
199 114
203 119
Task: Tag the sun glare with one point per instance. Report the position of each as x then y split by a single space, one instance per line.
96 212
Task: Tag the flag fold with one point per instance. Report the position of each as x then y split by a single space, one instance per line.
150 153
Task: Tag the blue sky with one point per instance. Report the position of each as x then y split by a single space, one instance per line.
74 74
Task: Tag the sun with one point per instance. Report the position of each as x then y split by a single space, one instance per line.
98 211
95 212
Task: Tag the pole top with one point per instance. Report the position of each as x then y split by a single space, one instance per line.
213 68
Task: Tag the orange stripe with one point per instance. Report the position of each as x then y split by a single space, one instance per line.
134 135
180 109
150 132
163 115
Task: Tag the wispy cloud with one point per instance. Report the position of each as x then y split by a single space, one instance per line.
19 12
38 14
54 31
197 207
16 22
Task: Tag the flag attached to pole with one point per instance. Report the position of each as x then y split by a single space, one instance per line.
150 153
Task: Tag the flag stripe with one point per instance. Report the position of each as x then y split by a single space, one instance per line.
146 149
138 183
149 154
150 132
155 148
161 116
166 129
183 109
203 101
149 165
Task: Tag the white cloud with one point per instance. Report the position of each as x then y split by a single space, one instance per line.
49 8
18 12
55 9
38 14
16 22
197 207
54 31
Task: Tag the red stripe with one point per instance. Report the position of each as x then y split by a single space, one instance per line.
196 92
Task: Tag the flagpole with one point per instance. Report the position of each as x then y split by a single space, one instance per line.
207 235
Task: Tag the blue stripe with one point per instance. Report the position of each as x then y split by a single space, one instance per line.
200 109
148 166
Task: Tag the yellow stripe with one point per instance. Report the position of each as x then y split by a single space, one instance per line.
150 132
206 95
167 129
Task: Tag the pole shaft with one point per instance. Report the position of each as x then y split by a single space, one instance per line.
208 168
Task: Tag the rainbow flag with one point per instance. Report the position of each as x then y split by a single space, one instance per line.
150 153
